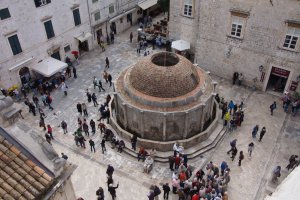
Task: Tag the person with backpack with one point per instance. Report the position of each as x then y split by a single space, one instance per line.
272 107
241 157
49 101
262 133
64 126
100 194
232 145
112 191
166 189
254 131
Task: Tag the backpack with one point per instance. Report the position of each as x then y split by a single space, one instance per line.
156 191
49 99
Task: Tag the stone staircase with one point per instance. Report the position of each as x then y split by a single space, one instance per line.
192 153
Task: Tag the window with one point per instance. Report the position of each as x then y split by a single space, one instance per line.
4 13
94 1
188 8
49 29
121 20
15 44
39 3
97 16
67 48
111 8
291 37
237 24
76 15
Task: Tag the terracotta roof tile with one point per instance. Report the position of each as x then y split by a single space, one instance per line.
8 170
20 177
39 170
29 178
2 192
4 175
30 163
26 168
16 176
15 194
11 182
6 144
21 172
22 157
8 197
34 174
20 188
38 186
5 186
28 195
15 150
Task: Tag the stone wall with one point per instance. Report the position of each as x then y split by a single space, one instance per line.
262 42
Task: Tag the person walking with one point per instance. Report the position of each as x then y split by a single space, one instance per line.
250 148
64 156
74 72
241 157
133 142
254 131
292 162
106 62
95 82
276 174
171 162
64 88
48 138
112 191
110 170
93 126
109 78
79 108
272 107
102 127
262 133
64 126
105 76
100 86
92 145
49 130
232 145
130 37
100 194
42 122
94 98
85 128
84 109
36 101
89 96
233 153
32 108
103 145
166 189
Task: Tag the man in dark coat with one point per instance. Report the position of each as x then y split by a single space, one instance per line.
106 62
79 108
109 78
112 191
110 170
93 125
171 162
262 133
92 145
166 189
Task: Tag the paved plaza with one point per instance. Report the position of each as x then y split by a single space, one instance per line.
248 182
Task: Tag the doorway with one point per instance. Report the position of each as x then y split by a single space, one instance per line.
113 27
278 79
83 46
56 55
99 35
25 76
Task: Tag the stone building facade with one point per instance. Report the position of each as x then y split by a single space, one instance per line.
33 30
260 39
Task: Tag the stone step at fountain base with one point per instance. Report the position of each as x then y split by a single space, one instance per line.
192 152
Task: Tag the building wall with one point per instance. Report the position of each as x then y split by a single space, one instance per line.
262 41
65 192
27 21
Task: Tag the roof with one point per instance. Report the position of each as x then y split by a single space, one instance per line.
49 66
20 176
164 75
289 188
145 4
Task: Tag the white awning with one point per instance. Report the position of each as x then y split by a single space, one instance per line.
181 45
121 15
49 66
145 4
17 66
84 37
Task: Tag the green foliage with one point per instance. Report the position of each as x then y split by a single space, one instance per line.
164 5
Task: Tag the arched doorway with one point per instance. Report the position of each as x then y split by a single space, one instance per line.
25 75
